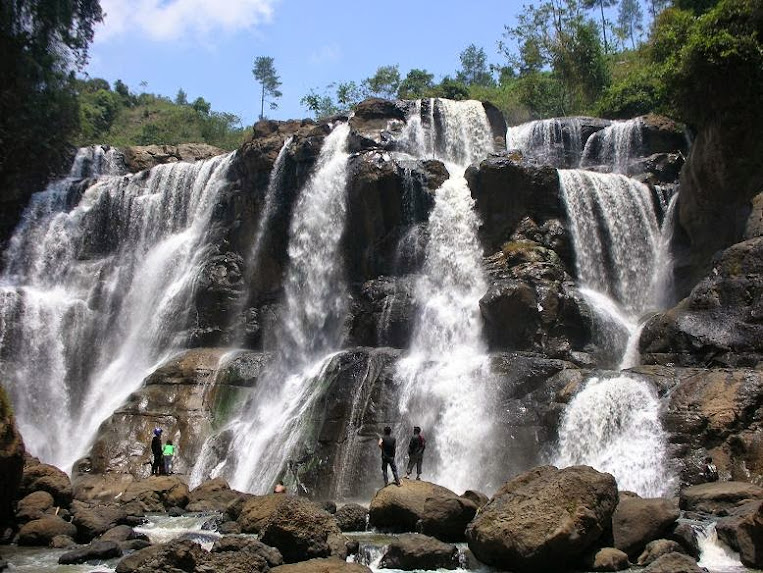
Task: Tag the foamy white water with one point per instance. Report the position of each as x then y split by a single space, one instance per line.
613 425
614 147
715 555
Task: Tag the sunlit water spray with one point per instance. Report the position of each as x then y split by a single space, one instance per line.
97 286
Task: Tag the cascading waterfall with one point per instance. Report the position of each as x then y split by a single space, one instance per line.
613 147
557 141
613 424
272 424
440 378
97 285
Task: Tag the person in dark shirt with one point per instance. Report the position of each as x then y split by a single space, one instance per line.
710 471
388 445
416 452
157 467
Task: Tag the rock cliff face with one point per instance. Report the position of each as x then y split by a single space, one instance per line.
11 460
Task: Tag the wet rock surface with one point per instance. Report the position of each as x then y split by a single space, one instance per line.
410 552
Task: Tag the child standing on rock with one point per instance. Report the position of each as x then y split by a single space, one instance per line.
168 453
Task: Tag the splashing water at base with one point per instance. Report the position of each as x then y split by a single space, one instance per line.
716 556
613 425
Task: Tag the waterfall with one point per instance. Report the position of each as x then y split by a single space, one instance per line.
557 141
441 378
614 147
269 428
97 287
716 556
613 425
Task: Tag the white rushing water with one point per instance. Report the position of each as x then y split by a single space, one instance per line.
716 556
613 425
557 141
97 285
440 378
270 428
614 147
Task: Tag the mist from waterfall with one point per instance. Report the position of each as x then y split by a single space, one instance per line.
613 424
97 284
267 432
441 378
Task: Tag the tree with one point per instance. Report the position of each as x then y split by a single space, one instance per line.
601 4
415 85
201 106
181 98
474 69
42 43
265 73
384 83
629 19
320 105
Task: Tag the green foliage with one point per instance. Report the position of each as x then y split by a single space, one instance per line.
264 72
384 83
451 89
42 42
416 84
320 105
630 19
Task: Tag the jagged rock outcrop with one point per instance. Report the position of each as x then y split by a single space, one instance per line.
11 459
140 158
718 323
742 530
544 519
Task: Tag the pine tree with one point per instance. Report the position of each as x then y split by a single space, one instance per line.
265 73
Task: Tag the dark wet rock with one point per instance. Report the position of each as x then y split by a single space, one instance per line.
636 522
384 312
185 555
229 528
409 552
401 508
544 519
351 517
233 543
684 534
446 517
718 496
607 559
33 506
530 290
157 493
373 122
42 531
674 563
122 533
330 565
176 511
743 532
94 521
220 284
11 460
140 158
656 549
299 530
327 505
507 190
718 323
45 477
97 550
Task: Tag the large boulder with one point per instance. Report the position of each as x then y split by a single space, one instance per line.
33 506
743 532
410 552
11 459
718 496
716 324
351 517
446 517
93 521
638 521
402 508
212 495
45 477
657 548
299 530
235 543
256 511
42 531
608 559
546 518
326 565
97 550
674 563
157 493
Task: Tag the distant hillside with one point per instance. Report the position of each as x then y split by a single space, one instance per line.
120 118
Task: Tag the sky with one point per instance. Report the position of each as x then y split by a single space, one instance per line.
208 47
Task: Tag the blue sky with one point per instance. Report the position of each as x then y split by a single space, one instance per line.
207 47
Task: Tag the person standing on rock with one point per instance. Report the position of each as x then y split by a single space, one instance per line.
168 453
388 445
157 467
416 452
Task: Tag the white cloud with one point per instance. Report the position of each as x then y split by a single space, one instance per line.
326 53
167 20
